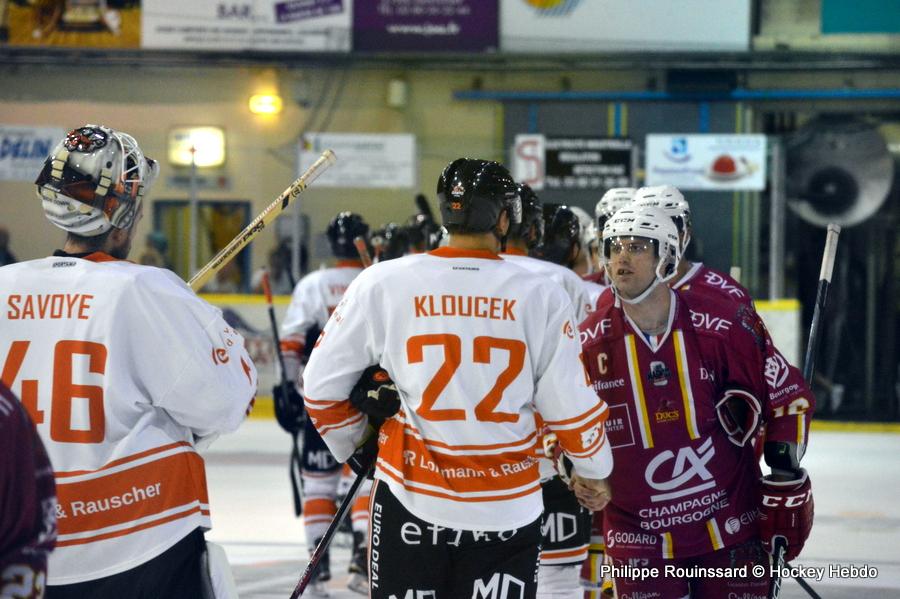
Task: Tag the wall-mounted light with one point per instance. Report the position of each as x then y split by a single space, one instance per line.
265 104
208 144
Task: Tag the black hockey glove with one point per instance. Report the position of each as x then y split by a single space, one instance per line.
364 457
289 410
375 395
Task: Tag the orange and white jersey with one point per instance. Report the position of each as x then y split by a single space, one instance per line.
123 369
313 300
475 345
570 282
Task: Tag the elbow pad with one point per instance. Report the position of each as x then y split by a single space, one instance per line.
738 412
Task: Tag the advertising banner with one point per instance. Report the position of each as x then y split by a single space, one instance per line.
77 23
365 160
23 150
425 25
573 162
707 161
266 25
624 25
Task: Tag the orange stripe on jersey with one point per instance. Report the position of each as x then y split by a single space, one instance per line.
452 252
331 414
458 475
558 554
103 257
139 492
588 439
325 429
131 458
529 440
577 421
133 529
408 485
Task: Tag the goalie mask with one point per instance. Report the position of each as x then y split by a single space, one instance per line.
672 202
612 201
342 230
93 180
473 193
644 222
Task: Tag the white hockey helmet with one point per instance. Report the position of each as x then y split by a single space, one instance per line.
588 230
587 235
646 222
672 202
612 201
95 179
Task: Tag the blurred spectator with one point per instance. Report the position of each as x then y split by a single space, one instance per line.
154 253
279 267
6 256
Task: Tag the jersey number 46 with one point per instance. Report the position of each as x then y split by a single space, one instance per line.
63 390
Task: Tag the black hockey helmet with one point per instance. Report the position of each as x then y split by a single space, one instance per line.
531 229
472 194
396 241
422 231
342 230
562 230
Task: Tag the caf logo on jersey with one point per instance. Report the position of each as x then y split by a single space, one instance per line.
659 374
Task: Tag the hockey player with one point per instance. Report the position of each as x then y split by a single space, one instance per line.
566 525
690 275
527 236
126 372
314 299
612 201
27 503
688 377
475 346
564 244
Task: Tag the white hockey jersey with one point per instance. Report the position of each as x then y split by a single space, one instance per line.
593 291
572 284
475 345
122 369
313 300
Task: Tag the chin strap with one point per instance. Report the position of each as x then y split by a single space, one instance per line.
640 297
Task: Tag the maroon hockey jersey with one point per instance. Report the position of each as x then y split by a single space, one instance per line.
680 487
706 280
27 503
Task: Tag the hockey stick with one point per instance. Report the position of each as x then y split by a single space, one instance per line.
363 251
325 541
809 362
264 218
294 466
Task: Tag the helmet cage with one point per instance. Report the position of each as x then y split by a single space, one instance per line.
649 223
